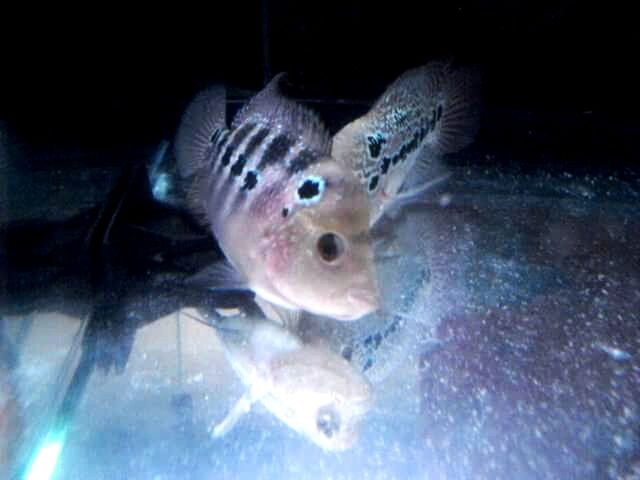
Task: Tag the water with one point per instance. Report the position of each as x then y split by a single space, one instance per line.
509 346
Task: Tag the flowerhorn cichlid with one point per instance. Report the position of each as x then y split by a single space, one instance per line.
310 388
291 220
426 112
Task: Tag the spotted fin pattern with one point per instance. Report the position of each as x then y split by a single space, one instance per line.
426 112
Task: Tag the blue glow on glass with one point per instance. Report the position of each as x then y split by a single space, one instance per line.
44 463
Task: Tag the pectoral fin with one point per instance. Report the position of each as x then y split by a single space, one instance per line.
219 276
412 196
241 407
285 317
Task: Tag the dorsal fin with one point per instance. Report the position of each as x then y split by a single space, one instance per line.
205 114
272 107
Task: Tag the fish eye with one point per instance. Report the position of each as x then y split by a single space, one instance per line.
328 421
330 247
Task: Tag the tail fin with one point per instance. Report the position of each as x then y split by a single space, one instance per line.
205 114
450 97
459 121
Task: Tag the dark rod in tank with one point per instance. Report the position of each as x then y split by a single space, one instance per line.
266 67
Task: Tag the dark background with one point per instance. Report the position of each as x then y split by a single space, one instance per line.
115 78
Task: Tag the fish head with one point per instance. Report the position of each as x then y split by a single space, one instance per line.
320 259
320 395
350 147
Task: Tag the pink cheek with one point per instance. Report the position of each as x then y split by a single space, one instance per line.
277 252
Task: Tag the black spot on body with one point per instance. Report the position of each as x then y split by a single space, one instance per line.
375 145
302 161
439 113
236 169
405 150
250 180
373 183
386 161
368 364
285 212
309 189
377 339
347 353
276 151
391 329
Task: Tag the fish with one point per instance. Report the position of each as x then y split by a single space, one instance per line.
380 344
427 112
311 389
291 221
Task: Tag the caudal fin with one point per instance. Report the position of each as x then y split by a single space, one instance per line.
459 111
205 114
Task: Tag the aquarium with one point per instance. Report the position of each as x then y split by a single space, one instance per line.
468 305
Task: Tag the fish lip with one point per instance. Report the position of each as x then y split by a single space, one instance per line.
364 301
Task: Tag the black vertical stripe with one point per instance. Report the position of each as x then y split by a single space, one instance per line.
238 167
255 141
217 140
432 123
373 183
276 151
223 137
302 161
237 137
386 161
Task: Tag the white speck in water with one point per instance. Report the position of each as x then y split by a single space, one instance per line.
613 352
445 200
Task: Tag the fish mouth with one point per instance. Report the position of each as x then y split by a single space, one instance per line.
362 301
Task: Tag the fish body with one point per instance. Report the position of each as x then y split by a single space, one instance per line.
308 387
291 220
383 342
426 112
